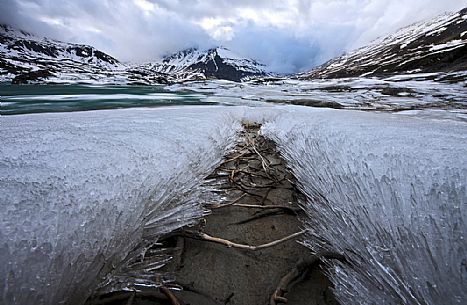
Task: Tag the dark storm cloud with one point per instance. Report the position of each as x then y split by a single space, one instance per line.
288 35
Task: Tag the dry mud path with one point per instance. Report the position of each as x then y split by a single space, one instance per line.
247 250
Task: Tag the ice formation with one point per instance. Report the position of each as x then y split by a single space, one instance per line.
80 191
388 192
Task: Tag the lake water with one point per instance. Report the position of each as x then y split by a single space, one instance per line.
362 94
23 99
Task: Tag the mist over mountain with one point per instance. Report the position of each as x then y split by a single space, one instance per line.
26 58
436 45
287 36
220 63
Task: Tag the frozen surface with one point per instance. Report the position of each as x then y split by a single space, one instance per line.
388 192
80 190
402 92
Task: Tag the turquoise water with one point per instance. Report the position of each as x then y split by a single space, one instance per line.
23 99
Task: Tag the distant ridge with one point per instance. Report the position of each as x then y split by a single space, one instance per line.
438 45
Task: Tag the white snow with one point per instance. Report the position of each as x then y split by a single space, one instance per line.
449 45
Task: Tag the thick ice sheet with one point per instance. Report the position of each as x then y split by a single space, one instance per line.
79 190
388 192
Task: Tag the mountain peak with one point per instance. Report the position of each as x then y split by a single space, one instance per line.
218 62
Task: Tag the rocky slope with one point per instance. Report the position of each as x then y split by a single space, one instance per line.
25 58
218 63
438 45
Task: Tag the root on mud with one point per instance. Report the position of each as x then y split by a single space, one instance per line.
298 273
253 198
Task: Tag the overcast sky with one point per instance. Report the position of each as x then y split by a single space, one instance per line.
287 35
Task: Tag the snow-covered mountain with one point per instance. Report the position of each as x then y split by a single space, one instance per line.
438 45
219 63
25 58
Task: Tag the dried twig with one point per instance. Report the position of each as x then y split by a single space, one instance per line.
253 186
238 186
263 161
259 175
230 244
220 205
265 207
299 272
235 158
265 197
268 213
232 175
172 298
